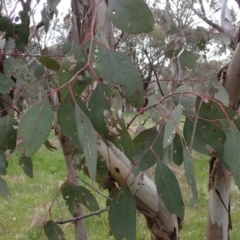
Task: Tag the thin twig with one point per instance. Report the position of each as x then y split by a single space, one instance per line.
89 185
73 220
155 72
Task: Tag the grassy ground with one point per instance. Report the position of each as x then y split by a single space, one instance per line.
22 216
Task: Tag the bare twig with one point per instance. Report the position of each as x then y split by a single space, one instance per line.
89 185
155 72
73 220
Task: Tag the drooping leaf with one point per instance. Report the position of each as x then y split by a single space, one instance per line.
190 175
187 60
38 71
172 125
130 16
126 143
172 49
66 118
178 145
3 164
122 215
87 139
118 68
4 191
145 143
53 231
45 19
207 134
34 128
76 195
49 63
169 190
72 63
6 84
26 165
22 33
8 134
183 96
231 154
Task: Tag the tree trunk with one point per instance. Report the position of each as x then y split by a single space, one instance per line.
219 222
80 229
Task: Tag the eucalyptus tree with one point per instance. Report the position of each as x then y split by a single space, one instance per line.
91 78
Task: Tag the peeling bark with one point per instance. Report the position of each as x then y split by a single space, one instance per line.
219 202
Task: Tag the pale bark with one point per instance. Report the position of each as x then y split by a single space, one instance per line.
219 200
80 229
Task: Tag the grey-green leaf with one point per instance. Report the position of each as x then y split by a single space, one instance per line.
190 175
169 190
53 231
118 68
171 125
231 154
26 165
4 191
34 128
187 60
87 139
122 215
49 63
130 16
6 84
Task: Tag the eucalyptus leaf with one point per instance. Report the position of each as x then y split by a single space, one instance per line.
53 231
130 16
122 215
6 84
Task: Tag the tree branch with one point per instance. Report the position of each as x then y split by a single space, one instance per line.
73 220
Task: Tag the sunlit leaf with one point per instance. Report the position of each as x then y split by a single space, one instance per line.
87 139
53 231
34 128
169 190
122 215
130 16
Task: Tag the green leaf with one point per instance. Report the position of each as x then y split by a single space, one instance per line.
3 164
118 68
187 60
4 191
22 33
38 71
87 139
190 175
169 190
145 143
45 19
171 125
172 50
207 134
178 145
53 231
130 16
34 128
66 118
122 215
76 195
49 63
6 84
8 134
231 154
6 25
26 165
186 99
72 63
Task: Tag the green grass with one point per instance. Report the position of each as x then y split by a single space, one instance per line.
23 216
